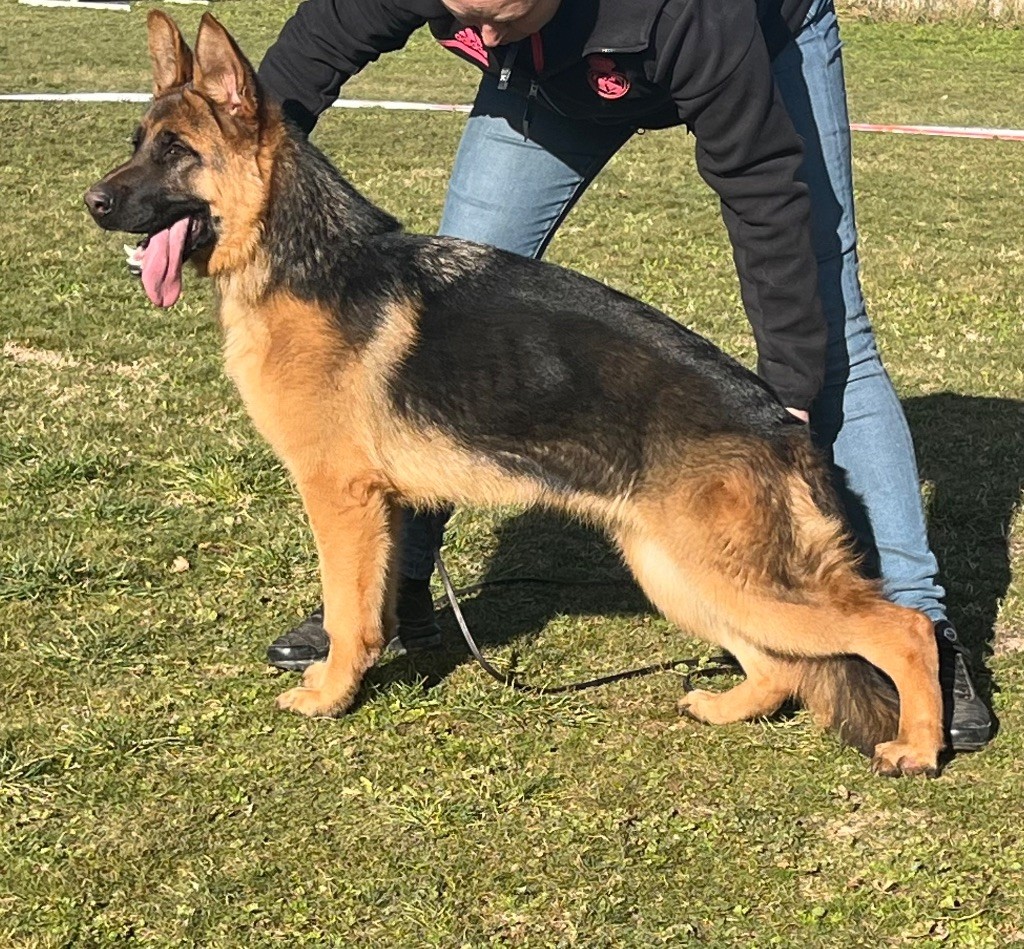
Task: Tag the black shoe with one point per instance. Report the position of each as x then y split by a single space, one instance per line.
300 647
966 718
307 643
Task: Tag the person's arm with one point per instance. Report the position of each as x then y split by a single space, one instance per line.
749 152
326 42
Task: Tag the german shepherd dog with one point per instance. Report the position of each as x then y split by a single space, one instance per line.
388 368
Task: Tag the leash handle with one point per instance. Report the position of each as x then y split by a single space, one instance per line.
509 679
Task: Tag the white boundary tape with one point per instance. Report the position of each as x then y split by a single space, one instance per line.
82 4
947 131
145 97
412 106
76 97
96 4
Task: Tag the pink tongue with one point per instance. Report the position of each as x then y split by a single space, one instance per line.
161 265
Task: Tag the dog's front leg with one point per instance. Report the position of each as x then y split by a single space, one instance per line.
354 524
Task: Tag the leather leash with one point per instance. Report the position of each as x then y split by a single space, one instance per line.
697 667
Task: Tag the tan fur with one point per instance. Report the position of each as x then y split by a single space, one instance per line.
745 559
692 569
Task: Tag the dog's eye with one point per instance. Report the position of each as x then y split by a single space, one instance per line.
174 150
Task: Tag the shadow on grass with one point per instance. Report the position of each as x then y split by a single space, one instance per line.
971 450
579 574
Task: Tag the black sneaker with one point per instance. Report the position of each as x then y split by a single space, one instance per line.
300 647
967 720
308 643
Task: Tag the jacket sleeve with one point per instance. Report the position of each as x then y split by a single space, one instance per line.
750 154
326 42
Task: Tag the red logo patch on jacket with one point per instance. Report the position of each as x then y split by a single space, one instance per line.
468 41
605 79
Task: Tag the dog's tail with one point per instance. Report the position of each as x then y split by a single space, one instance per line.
850 697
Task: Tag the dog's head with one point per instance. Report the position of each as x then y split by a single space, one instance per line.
194 185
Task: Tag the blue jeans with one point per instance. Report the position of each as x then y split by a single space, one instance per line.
514 193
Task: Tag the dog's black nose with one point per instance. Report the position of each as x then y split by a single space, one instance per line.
99 201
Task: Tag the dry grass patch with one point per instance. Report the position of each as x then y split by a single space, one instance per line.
1006 12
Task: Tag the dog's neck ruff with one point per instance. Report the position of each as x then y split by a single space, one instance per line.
314 206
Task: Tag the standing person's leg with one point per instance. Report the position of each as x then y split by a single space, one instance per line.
858 416
510 192
513 192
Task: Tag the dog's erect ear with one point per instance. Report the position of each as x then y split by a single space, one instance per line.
172 59
223 74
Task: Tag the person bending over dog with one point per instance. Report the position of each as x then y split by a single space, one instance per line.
760 85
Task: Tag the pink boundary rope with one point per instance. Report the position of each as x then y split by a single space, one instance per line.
946 131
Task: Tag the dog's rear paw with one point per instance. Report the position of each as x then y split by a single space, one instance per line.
697 704
894 759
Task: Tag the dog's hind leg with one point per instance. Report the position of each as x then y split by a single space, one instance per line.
699 552
901 643
769 682
354 525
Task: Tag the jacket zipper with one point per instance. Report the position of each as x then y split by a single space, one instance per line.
505 76
531 97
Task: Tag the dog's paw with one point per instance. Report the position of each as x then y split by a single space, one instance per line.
313 703
697 704
893 759
315 677
318 695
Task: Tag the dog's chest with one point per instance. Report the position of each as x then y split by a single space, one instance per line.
248 346
289 371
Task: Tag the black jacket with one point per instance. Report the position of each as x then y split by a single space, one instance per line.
645 64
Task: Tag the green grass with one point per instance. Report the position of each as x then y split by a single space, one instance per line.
150 547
